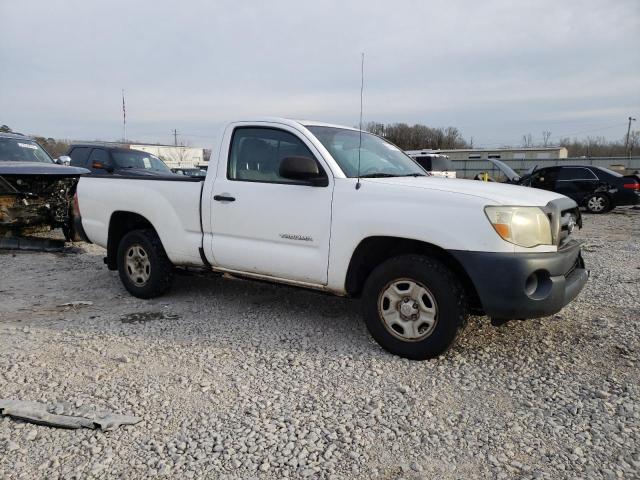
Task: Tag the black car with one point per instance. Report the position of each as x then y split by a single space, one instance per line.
191 172
116 160
36 192
597 189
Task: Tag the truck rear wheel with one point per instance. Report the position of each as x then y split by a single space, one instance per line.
145 270
414 306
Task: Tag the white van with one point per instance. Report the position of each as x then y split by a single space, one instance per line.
433 162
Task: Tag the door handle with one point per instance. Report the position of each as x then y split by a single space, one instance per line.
224 198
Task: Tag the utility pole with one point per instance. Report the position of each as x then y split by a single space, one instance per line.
124 119
626 143
175 137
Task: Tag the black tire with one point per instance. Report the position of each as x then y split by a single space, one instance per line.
445 289
598 203
158 272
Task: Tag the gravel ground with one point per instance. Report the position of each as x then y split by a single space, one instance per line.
236 379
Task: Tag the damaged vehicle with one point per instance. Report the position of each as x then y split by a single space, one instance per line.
36 192
345 212
597 189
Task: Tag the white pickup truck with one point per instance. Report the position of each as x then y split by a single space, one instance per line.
342 211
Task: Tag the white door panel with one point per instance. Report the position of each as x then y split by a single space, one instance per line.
276 229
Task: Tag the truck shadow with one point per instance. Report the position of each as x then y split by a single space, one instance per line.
211 308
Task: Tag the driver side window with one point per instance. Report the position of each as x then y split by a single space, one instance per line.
99 156
544 179
256 153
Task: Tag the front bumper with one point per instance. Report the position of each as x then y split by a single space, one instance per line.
525 285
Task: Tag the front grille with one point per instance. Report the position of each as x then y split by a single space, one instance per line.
564 216
569 220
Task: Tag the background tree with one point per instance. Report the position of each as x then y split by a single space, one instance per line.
54 147
418 136
527 141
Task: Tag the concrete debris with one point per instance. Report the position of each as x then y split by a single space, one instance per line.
54 415
77 303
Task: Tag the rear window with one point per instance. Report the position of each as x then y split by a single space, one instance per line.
611 172
139 160
576 173
79 156
425 162
435 163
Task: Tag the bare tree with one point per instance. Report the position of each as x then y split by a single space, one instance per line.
527 141
183 155
418 136
634 141
375 128
546 135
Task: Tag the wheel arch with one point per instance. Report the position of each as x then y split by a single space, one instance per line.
121 223
372 251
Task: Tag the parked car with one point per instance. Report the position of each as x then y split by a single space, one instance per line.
116 160
191 172
435 163
36 192
597 189
337 210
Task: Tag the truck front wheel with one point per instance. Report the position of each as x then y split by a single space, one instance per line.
145 270
414 306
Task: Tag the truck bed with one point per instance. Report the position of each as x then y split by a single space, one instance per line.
170 204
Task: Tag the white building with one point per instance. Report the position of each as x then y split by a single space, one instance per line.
530 153
175 156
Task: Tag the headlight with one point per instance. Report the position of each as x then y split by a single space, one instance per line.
524 226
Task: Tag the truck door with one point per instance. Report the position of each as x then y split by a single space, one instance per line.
263 223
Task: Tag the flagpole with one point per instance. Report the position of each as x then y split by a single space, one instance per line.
124 118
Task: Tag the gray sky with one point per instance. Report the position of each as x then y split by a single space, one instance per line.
496 69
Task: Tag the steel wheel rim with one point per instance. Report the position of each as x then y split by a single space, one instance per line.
137 265
408 310
596 203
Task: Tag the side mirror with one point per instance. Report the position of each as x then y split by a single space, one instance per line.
97 165
304 169
63 160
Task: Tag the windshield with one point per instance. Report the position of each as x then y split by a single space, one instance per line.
378 158
22 150
139 160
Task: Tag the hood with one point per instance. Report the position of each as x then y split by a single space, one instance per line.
509 172
498 193
37 168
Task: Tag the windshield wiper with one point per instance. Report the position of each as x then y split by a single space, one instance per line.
378 175
414 175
